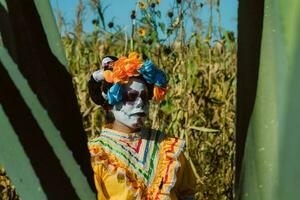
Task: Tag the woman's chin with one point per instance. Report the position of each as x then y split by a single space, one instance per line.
138 125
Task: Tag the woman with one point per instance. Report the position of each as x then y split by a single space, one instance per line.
129 161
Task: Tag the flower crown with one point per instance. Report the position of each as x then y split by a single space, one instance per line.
132 66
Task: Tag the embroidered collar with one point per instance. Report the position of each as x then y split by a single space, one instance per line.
139 151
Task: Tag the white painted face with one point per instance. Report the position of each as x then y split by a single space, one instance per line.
133 110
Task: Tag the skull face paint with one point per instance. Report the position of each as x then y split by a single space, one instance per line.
134 109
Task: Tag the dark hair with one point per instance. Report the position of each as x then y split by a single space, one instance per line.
114 58
95 91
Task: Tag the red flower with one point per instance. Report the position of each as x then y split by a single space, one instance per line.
159 93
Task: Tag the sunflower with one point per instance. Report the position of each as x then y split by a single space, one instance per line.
142 5
141 32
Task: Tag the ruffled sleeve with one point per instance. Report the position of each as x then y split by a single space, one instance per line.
175 178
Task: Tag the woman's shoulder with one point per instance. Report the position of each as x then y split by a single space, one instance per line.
94 146
168 143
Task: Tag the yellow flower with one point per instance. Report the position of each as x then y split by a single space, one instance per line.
141 32
142 5
157 1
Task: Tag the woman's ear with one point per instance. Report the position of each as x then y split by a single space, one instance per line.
107 107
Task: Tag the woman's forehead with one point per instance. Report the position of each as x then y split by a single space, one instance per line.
136 84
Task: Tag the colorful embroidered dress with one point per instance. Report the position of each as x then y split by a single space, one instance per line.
145 165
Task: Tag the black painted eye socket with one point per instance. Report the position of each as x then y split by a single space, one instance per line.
132 95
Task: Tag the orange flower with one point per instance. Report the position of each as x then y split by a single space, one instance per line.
108 76
133 63
119 72
124 68
159 93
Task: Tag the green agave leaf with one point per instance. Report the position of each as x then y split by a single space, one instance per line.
271 164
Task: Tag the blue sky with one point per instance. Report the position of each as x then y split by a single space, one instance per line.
119 11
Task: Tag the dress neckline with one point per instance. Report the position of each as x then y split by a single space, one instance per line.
107 129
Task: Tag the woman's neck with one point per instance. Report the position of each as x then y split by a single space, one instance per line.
118 126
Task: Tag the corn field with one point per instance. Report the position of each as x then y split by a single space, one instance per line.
200 104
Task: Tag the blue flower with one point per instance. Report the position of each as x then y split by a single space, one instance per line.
148 70
152 74
115 94
160 79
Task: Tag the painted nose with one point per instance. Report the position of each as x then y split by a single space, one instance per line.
139 103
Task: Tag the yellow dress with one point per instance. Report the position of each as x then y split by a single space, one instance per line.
145 165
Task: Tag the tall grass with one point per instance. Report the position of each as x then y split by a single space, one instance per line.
200 104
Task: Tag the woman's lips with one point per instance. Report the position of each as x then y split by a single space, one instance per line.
140 114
